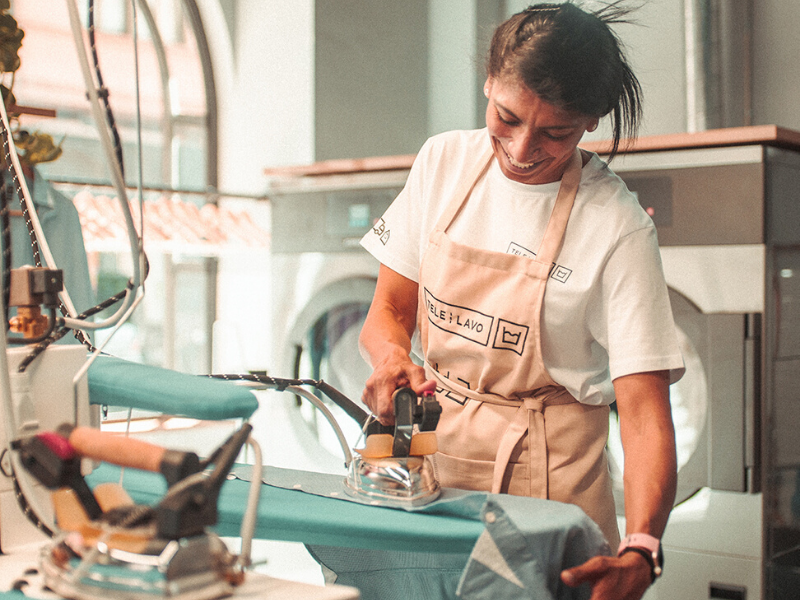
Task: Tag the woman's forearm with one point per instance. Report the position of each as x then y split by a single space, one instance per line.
391 318
648 439
385 343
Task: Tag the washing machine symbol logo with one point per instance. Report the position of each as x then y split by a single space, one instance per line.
380 229
510 336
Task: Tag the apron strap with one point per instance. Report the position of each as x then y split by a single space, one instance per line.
529 419
464 189
554 234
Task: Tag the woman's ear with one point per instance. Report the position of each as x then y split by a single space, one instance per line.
487 87
593 125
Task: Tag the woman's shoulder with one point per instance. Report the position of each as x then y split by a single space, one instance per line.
606 191
455 145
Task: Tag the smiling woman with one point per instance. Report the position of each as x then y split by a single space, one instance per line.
545 249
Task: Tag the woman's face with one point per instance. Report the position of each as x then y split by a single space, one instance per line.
532 140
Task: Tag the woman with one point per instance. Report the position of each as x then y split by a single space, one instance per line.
533 279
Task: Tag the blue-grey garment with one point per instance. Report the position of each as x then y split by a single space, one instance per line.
525 545
62 229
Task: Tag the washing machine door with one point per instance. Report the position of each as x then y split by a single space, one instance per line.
323 344
707 404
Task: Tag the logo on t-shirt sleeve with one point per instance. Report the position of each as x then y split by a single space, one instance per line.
381 230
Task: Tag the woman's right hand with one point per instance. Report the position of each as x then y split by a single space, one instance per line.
394 371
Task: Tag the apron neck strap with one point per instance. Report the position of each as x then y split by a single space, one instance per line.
554 234
465 187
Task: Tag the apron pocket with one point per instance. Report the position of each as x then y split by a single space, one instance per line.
476 475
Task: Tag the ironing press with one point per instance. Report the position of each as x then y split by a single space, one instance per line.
394 467
108 546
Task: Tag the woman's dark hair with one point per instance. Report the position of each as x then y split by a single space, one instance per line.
572 59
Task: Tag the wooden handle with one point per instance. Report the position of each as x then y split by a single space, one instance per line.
115 449
379 445
111 495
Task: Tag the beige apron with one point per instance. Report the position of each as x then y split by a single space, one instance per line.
506 426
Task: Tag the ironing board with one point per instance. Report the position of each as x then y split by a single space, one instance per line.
483 545
117 382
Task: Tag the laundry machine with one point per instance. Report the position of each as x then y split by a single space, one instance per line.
323 284
722 210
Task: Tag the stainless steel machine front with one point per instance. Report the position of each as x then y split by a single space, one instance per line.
708 207
723 216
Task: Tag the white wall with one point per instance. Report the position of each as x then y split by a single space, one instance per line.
267 89
370 83
776 75
452 70
263 60
265 86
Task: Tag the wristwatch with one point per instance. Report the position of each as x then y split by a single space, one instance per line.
649 547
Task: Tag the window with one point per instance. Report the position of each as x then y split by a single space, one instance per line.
173 325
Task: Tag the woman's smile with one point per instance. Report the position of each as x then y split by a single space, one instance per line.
527 166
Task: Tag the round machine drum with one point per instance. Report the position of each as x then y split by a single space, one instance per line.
325 342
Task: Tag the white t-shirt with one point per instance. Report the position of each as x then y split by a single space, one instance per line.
606 311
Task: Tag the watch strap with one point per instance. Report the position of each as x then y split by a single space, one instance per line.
647 546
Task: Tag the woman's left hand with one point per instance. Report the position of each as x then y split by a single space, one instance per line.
612 578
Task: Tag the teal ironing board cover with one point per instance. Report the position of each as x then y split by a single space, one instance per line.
467 545
117 382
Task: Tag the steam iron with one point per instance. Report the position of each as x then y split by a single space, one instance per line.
110 547
394 467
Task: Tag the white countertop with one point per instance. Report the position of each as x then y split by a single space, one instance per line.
22 564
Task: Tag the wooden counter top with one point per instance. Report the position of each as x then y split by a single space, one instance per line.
768 135
341 166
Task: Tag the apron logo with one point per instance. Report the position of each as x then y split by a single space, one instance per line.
450 394
464 322
558 272
380 230
510 336
517 250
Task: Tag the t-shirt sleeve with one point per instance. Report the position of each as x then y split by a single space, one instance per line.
631 315
396 237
